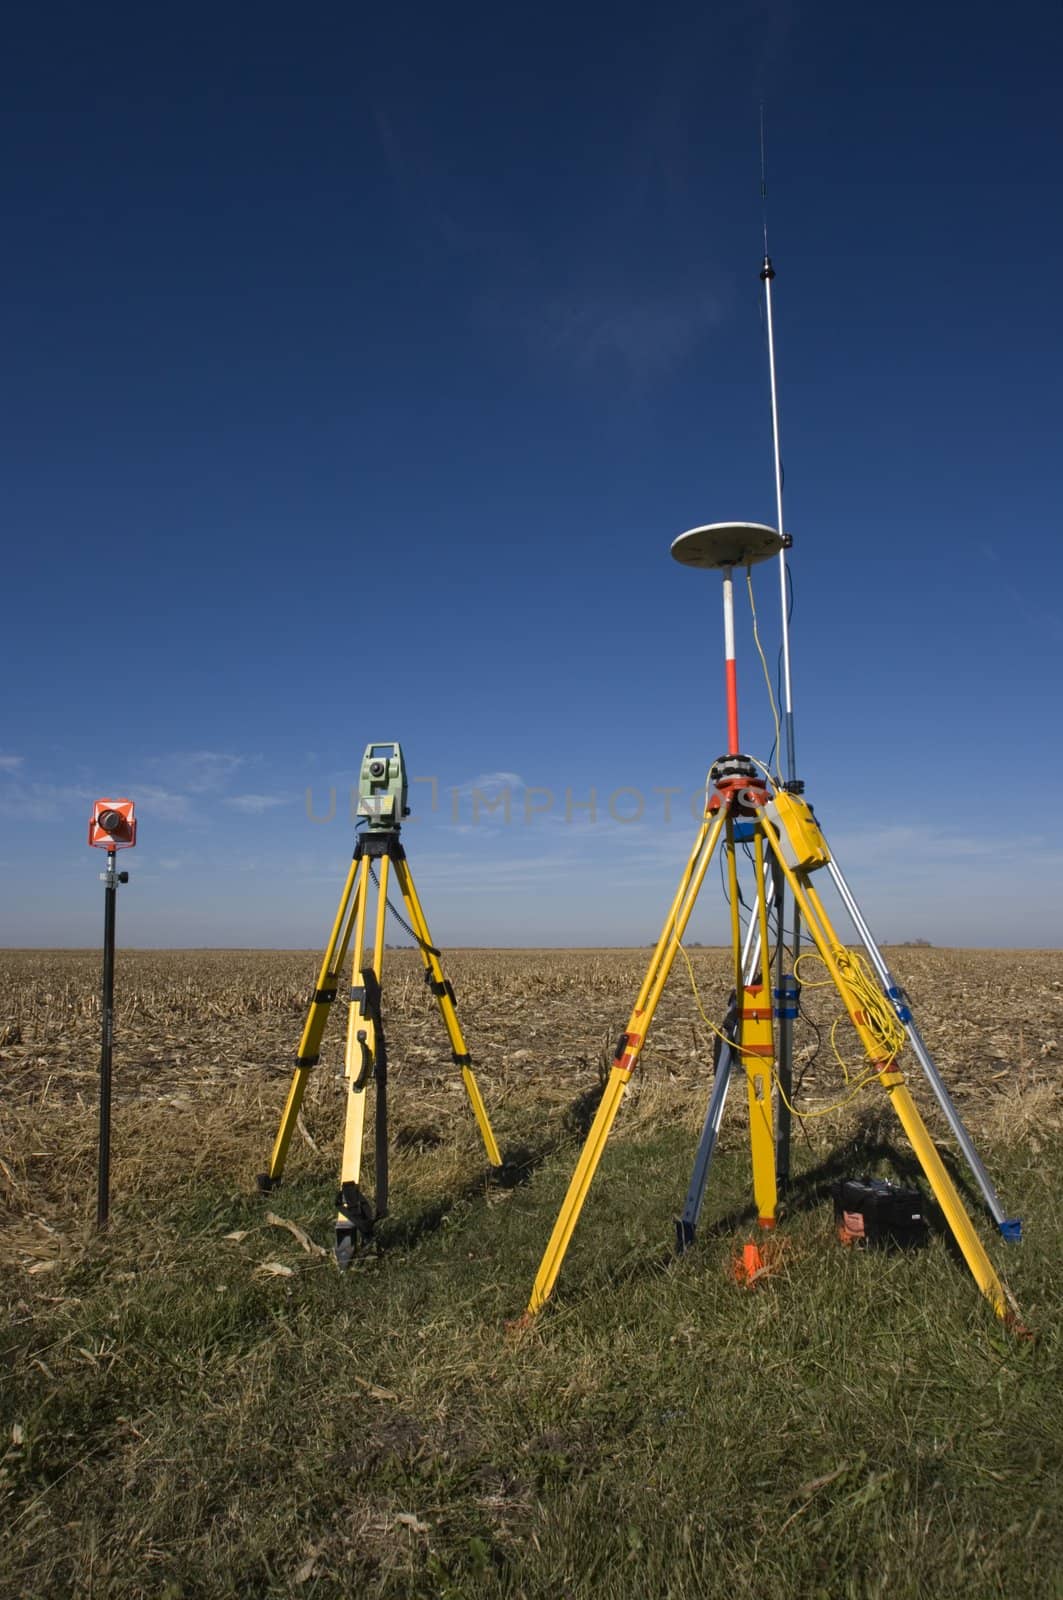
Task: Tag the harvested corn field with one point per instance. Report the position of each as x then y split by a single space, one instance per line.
200 1404
205 1039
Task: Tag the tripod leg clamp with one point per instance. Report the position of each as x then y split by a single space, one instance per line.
441 989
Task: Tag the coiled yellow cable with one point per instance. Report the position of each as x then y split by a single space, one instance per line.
881 1020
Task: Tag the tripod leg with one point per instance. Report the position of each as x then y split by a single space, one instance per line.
836 960
1010 1227
308 1053
686 1226
373 979
787 995
757 1050
723 1064
627 1054
443 990
354 1216
668 929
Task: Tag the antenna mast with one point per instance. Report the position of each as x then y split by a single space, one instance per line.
767 274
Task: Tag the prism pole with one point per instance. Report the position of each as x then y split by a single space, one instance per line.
103 1171
112 827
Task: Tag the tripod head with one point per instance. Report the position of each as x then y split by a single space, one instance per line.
382 787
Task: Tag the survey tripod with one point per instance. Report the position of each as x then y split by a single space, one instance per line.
378 852
746 810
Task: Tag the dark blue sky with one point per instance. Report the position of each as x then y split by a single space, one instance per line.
359 369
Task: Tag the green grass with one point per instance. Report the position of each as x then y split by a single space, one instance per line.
178 1423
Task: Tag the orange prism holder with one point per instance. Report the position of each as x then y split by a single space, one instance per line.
113 825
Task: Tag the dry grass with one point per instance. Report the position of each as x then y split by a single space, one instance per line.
205 1038
184 1420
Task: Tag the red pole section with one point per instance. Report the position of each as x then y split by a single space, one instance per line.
730 666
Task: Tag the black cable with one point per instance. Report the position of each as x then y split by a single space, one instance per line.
429 949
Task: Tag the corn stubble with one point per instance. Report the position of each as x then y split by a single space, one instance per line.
199 1404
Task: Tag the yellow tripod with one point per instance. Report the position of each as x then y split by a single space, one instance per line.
377 853
781 830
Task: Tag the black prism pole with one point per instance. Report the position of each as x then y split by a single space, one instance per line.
112 827
111 879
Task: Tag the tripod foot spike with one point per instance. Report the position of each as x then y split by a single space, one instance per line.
354 1225
265 1184
346 1247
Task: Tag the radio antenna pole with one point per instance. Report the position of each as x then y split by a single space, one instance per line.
788 993
767 274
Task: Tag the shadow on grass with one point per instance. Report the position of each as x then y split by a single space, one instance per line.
519 1164
864 1154
869 1151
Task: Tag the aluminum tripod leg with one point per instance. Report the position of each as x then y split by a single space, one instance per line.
686 1226
1010 1227
805 844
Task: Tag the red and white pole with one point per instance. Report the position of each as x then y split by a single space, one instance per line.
730 665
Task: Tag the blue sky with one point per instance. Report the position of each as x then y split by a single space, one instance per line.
360 368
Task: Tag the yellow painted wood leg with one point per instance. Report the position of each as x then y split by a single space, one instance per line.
828 945
353 1130
359 1051
479 1111
572 1204
758 1058
313 1030
673 911
443 990
974 1252
646 1005
628 1051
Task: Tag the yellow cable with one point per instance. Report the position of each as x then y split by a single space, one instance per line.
819 1111
822 1111
697 999
881 1018
764 664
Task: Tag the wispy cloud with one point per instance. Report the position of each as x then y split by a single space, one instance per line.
32 801
644 334
166 804
253 804
10 763
489 783
582 296
195 771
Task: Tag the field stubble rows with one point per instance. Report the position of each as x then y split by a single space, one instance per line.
205 1040
198 1405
